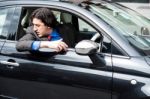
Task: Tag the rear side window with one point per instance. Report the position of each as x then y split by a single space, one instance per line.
5 15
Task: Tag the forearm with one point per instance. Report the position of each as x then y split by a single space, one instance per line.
24 45
47 44
58 45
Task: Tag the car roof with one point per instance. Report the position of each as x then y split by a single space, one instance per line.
67 1
10 2
73 1
49 0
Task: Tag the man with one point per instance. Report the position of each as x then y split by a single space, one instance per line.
42 34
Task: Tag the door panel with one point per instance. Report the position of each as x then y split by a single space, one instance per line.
57 76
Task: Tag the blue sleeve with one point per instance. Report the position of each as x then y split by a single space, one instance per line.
35 45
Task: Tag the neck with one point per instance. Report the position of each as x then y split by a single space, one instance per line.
50 31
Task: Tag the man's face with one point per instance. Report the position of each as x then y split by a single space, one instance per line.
40 28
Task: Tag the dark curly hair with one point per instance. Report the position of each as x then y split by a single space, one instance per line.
46 16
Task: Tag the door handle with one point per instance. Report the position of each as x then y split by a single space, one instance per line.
10 63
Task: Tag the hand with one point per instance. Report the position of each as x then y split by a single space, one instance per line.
58 45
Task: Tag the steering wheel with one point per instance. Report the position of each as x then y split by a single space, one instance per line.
95 36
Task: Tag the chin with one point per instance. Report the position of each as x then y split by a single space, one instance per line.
39 35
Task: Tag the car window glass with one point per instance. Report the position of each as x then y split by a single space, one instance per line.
3 16
83 26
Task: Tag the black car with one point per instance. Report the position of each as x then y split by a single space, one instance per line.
107 58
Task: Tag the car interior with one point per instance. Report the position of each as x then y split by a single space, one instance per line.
69 26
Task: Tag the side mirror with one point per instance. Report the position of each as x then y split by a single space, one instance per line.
86 47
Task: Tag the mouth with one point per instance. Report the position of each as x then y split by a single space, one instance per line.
37 33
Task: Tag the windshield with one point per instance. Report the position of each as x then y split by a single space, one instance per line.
134 27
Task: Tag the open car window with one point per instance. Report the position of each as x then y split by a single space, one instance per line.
72 28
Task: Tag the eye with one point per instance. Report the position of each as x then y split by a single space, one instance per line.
37 25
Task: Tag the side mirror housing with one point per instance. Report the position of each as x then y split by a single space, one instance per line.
86 47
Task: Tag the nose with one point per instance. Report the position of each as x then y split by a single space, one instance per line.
34 28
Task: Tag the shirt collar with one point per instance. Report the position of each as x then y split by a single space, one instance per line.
54 33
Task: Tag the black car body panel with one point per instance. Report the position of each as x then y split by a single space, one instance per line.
116 71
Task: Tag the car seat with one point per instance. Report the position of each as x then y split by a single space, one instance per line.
24 23
67 30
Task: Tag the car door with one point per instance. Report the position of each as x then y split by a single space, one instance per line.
45 75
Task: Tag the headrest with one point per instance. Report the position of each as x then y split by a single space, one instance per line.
25 19
66 18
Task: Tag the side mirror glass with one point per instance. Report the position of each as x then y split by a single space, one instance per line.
86 47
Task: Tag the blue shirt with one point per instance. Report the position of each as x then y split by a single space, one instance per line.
54 36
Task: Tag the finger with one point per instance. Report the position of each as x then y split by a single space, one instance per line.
64 46
60 48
